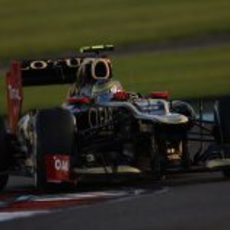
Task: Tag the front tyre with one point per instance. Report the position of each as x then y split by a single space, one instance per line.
222 129
54 136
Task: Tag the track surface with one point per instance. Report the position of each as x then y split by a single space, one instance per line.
195 201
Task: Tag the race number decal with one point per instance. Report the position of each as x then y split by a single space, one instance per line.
58 168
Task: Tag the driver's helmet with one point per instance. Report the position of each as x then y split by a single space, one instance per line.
92 70
103 91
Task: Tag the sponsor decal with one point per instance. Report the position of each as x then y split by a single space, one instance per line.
14 93
44 64
98 117
58 168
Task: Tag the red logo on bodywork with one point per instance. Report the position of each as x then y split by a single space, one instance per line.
58 168
14 95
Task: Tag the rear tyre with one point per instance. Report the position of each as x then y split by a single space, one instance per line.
4 162
54 134
222 129
226 170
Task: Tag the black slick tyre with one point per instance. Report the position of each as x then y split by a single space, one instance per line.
3 156
54 134
222 129
157 160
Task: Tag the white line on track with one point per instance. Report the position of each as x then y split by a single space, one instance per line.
5 216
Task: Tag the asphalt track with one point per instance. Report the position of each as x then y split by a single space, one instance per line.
192 201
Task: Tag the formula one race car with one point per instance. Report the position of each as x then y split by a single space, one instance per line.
102 129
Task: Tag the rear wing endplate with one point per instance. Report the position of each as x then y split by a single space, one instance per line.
35 73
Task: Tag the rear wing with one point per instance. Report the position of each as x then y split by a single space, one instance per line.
48 72
34 73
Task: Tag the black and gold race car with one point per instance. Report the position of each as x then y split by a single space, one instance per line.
102 129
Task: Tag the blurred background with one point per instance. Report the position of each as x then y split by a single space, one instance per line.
182 46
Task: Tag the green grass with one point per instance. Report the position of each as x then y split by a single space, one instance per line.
194 73
30 28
